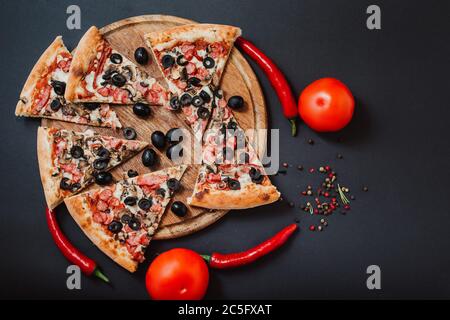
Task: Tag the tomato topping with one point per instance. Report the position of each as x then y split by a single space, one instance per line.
104 92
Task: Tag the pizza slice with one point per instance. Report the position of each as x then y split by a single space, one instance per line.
99 73
43 93
121 219
69 161
194 55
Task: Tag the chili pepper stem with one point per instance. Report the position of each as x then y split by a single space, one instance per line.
293 127
206 257
100 275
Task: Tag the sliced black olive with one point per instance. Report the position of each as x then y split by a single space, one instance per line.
64 184
141 109
132 173
55 105
125 219
170 136
179 208
129 133
118 80
181 61
167 61
76 152
59 87
175 103
108 74
130 201
145 204
244 158
91 105
232 125
116 58
197 101
115 226
256 175
236 102
218 93
194 81
149 157
134 224
161 192
209 63
185 99
234 184
170 153
103 178
205 96
184 75
103 153
158 139
173 184
141 55
100 164
75 186
203 113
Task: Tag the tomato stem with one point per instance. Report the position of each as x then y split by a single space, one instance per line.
100 275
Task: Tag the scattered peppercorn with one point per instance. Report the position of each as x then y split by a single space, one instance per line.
365 189
285 164
339 156
312 228
319 228
291 204
300 167
311 141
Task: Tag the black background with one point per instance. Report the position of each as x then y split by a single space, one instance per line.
397 145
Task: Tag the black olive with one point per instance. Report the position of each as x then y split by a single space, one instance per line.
145 204
158 139
132 173
141 109
256 175
64 184
244 158
183 74
116 58
103 178
161 192
205 96
75 186
115 226
118 80
194 81
203 113
197 101
125 219
234 184
91 105
134 224
149 157
167 61
100 164
209 63
236 102
179 208
103 153
170 153
218 93
170 136
129 133
232 125
130 201
141 55
55 105
181 61
173 184
175 103
108 74
59 87
76 152
185 99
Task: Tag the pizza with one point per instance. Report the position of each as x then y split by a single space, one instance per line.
98 73
193 55
121 219
69 161
43 93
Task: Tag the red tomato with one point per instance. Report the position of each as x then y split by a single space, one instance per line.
177 274
326 105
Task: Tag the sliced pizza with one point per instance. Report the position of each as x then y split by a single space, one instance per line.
69 161
192 56
121 219
98 73
43 93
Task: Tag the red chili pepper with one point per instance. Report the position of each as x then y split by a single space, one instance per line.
276 78
87 265
231 260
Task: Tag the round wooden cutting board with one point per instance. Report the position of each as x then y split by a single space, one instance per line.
238 79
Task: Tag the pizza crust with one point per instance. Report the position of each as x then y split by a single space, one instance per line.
49 183
25 101
79 210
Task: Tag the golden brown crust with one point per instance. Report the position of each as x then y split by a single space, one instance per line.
25 101
49 183
86 52
81 213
